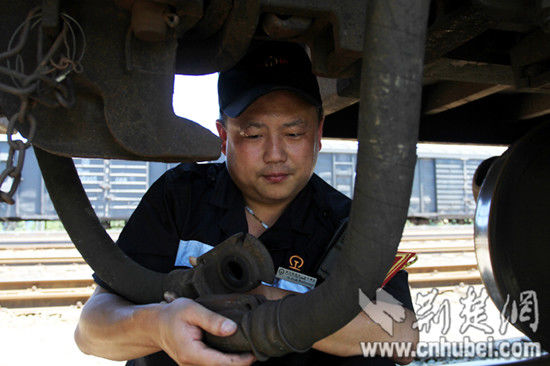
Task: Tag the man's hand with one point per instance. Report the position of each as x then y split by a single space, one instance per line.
180 324
113 328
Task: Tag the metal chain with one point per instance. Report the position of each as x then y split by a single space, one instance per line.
17 148
47 84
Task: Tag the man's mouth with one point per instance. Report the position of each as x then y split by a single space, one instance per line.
275 177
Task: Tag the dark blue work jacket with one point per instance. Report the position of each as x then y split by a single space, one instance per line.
194 207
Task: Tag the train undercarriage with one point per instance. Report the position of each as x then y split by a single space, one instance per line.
95 79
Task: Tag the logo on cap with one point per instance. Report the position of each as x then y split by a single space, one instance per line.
271 61
296 262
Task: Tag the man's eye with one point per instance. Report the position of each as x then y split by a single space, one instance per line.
252 137
295 134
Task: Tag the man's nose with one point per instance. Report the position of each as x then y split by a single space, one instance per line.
275 150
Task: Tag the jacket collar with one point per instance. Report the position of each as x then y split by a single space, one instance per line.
226 194
228 197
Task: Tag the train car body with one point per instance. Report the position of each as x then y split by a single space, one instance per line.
441 186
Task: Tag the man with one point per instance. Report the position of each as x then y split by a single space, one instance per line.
270 126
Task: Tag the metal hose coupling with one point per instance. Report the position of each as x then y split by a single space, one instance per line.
237 265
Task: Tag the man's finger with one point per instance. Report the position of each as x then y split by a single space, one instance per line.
204 355
193 261
211 322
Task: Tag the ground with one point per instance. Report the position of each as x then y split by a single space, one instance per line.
43 336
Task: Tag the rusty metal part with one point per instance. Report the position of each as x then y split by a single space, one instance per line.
511 232
285 28
469 71
172 20
188 13
336 34
454 28
225 48
16 154
148 21
214 16
335 94
455 25
151 20
43 83
120 113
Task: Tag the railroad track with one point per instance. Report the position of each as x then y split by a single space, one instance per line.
77 259
36 246
408 240
56 292
41 260
418 249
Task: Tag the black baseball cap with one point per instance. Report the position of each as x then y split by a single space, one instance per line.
268 66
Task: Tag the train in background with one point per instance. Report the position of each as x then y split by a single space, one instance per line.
441 187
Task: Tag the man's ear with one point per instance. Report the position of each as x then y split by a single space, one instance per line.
320 131
223 135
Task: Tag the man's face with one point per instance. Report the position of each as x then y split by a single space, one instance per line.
272 147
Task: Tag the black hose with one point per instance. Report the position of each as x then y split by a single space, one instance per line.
122 274
391 83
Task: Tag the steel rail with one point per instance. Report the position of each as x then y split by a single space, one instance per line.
36 293
23 242
78 259
38 237
41 260
84 282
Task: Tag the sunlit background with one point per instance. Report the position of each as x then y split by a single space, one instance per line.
196 98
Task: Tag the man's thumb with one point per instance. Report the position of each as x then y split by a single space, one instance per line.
214 323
